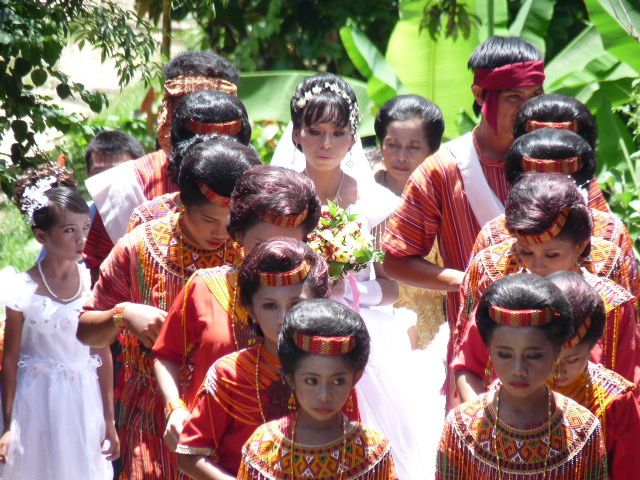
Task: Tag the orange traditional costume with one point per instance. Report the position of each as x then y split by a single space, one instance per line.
155 208
148 266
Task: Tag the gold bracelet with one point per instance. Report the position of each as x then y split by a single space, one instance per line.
118 316
173 405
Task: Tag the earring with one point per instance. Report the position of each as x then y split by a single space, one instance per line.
556 373
292 404
350 405
349 162
488 372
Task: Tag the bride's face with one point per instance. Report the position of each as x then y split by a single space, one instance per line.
324 144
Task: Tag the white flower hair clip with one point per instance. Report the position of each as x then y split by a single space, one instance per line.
354 111
34 196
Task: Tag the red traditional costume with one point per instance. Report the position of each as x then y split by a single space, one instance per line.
475 445
619 348
614 401
148 266
155 208
270 454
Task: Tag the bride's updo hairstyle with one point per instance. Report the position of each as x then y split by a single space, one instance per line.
266 191
325 98
526 291
45 192
538 200
281 255
550 150
557 111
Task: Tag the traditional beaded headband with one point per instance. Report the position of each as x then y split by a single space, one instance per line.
214 197
231 128
567 166
283 279
582 331
550 233
325 346
535 125
285 220
354 111
522 318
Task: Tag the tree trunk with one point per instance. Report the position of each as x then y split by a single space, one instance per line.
165 51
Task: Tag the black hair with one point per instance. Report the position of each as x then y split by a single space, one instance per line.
211 107
551 144
499 51
195 63
585 303
216 160
62 195
325 106
556 107
526 291
113 142
409 107
326 318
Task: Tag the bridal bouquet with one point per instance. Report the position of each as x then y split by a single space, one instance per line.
342 241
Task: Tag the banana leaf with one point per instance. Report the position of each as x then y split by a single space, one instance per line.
494 15
267 96
532 22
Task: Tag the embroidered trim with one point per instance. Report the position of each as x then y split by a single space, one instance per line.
550 233
582 331
567 166
536 124
522 318
213 196
283 279
285 220
231 128
326 346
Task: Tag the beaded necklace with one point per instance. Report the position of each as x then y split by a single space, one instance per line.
264 420
61 299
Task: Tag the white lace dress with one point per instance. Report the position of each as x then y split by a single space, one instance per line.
57 423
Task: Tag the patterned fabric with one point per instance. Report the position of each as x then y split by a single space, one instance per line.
596 197
147 266
363 454
494 171
155 208
152 175
468 449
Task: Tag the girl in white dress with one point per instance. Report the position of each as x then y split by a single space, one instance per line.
399 393
56 422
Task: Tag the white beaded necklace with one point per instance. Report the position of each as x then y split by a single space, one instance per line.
46 285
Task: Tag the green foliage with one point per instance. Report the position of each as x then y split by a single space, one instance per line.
33 34
449 17
19 248
265 136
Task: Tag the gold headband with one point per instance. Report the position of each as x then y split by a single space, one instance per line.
550 233
283 279
522 318
325 346
285 220
231 128
214 197
579 335
567 166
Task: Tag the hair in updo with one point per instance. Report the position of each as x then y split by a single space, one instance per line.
556 107
217 160
526 291
537 199
409 107
278 255
324 105
61 196
195 63
326 318
268 189
585 303
551 144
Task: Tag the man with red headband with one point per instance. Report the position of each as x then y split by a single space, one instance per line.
462 186
119 190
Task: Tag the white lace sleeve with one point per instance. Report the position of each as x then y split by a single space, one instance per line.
16 289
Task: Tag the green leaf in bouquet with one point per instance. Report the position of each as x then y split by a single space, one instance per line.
336 269
363 256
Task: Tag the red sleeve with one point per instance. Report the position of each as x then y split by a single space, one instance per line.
473 285
627 361
415 224
472 354
623 436
98 245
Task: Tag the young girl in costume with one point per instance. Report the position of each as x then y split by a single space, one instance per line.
245 389
57 399
551 227
409 128
325 117
142 276
521 429
208 319
323 348
610 397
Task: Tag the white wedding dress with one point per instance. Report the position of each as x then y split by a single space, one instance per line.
57 423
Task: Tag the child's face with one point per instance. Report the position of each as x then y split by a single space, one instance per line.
322 385
207 225
549 257
269 305
573 361
324 144
67 237
404 147
522 358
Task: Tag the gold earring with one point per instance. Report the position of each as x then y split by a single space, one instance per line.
488 372
556 373
292 404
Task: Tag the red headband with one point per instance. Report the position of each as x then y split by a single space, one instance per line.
283 279
550 233
515 75
231 128
325 346
285 220
577 338
567 166
521 318
536 125
214 197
